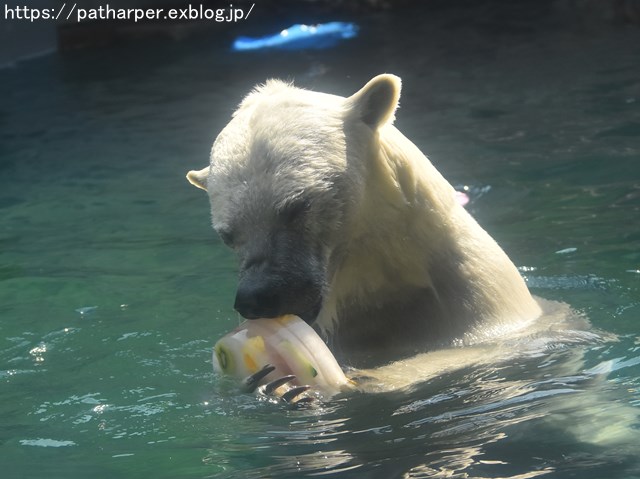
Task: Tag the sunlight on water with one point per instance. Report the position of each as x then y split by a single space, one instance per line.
113 287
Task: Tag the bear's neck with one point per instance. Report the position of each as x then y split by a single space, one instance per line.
416 270
404 224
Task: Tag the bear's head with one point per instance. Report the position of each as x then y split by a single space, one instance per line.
286 178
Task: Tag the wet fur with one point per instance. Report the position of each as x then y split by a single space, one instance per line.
306 186
404 267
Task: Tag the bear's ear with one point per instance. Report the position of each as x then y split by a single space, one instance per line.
199 178
376 102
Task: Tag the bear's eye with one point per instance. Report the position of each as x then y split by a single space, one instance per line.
293 210
226 236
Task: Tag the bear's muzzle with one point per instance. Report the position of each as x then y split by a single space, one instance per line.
263 295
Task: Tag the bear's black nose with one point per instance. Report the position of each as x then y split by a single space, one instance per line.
257 300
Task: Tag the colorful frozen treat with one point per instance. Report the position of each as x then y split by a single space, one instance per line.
287 343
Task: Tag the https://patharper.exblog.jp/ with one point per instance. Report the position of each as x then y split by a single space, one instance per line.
72 13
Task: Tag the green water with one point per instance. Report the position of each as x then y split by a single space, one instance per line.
113 287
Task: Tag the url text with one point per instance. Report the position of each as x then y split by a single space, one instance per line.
71 12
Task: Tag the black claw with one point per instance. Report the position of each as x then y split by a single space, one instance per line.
251 383
293 396
304 400
293 392
276 383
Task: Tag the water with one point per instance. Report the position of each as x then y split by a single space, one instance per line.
113 287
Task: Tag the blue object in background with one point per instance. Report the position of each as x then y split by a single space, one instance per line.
300 37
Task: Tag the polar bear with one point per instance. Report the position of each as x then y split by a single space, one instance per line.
340 219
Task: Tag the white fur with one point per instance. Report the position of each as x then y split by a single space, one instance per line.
400 251
388 222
